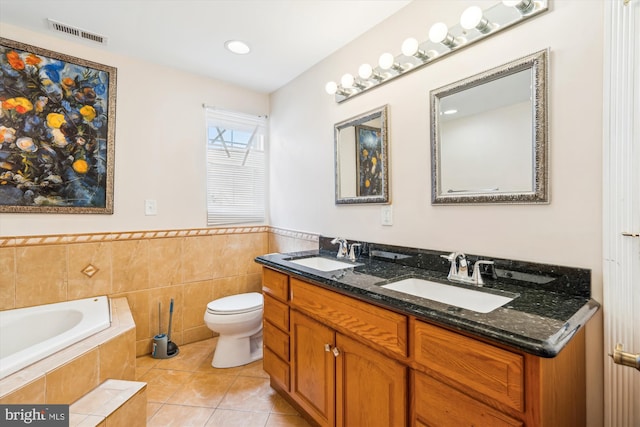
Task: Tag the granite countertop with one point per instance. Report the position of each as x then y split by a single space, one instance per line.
552 303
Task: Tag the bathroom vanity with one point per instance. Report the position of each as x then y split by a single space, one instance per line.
348 352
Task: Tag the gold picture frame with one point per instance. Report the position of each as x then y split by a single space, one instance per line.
57 132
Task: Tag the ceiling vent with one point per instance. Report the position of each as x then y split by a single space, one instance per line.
76 32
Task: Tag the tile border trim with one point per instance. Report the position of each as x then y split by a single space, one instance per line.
303 235
61 239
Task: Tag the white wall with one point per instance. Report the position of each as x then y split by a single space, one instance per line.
489 149
159 143
567 231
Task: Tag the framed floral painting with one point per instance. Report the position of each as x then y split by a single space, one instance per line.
368 161
57 129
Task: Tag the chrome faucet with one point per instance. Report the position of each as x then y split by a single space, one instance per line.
342 249
352 251
476 277
459 270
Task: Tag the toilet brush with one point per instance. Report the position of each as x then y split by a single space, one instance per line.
172 348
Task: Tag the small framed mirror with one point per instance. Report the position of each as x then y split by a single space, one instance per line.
489 136
361 158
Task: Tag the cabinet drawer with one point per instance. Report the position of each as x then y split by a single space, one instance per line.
276 340
276 368
275 284
377 325
276 312
492 371
438 405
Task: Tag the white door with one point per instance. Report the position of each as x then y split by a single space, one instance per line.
621 200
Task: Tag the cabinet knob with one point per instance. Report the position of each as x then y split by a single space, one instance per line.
327 348
336 352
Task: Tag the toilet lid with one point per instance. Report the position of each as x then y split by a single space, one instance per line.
236 304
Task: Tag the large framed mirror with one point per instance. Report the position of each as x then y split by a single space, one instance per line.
489 136
361 158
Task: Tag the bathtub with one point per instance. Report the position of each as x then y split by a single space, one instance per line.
30 334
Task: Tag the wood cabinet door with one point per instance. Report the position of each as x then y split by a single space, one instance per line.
313 368
371 389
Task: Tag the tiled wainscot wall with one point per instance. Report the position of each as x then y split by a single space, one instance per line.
191 266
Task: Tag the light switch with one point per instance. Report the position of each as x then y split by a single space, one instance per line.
150 207
387 215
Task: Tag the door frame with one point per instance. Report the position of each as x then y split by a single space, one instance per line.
621 207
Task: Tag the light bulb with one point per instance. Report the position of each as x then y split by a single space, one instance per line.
386 61
410 47
365 71
523 6
470 17
347 81
237 47
438 32
473 17
331 88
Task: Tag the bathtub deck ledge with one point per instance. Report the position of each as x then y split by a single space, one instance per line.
31 382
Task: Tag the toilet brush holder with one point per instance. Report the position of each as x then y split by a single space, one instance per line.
160 347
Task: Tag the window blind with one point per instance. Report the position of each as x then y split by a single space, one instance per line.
236 163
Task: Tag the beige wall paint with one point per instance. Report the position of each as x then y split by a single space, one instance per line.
159 149
567 231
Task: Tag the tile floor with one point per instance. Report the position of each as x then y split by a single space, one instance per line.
187 391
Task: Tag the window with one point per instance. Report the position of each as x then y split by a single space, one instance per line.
236 161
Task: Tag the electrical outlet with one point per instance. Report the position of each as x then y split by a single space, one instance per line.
387 215
150 207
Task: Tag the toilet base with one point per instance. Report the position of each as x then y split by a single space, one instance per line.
237 351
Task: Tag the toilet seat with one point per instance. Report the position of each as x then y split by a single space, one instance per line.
236 304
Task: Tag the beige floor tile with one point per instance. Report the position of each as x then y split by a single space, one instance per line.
253 370
281 406
249 394
143 365
187 359
163 383
280 420
229 418
146 362
203 389
206 367
180 416
187 391
152 408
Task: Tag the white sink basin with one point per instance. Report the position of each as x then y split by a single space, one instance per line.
481 302
322 264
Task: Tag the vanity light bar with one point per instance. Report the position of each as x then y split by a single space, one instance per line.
475 24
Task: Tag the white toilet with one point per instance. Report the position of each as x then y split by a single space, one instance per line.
238 320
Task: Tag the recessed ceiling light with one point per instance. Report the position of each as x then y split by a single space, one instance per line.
237 46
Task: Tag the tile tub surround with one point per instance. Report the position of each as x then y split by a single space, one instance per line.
70 373
193 266
554 301
112 403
